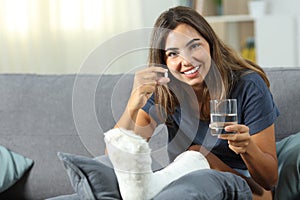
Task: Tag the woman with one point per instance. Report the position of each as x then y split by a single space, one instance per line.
201 67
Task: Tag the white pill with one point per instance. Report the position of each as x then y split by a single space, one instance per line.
166 74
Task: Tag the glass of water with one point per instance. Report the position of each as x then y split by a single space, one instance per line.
222 113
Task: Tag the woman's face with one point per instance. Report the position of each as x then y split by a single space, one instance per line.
187 55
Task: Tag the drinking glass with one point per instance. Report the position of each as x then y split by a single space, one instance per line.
222 113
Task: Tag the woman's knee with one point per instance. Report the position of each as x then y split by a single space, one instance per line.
207 184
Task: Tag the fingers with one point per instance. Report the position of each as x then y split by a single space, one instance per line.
150 76
145 83
163 80
238 131
153 71
238 128
159 74
239 147
162 77
239 141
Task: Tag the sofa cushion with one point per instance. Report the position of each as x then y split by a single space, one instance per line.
12 167
90 179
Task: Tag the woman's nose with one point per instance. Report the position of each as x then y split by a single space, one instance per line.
185 60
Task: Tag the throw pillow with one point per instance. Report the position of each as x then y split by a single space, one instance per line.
12 167
65 197
90 179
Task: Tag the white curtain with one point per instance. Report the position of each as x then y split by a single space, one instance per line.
55 36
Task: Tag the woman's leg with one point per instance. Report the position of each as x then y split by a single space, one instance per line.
288 154
206 184
131 157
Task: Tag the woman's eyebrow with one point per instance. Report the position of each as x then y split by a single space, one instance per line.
191 41
187 44
171 49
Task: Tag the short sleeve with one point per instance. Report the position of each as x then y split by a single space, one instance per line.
149 104
257 109
151 108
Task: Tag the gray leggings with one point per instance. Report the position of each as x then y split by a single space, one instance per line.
288 186
211 184
203 184
288 154
222 184
206 184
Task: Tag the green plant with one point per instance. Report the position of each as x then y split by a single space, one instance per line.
218 2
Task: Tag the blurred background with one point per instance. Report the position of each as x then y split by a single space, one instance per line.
57 36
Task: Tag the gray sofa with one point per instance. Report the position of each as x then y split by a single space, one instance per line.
41 115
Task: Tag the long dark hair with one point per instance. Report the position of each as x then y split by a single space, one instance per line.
226 62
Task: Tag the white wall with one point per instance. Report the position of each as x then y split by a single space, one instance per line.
284 38
275 41
58 53
284 6
43 49
56 36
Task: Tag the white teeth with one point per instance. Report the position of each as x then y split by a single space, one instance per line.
192 70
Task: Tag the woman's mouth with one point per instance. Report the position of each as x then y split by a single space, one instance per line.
191 71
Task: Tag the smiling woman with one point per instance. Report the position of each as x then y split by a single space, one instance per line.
202 68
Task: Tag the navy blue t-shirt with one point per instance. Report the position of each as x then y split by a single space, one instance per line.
256 109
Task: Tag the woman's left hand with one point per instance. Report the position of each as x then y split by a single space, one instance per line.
238 141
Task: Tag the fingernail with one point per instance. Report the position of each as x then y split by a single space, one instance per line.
227 128
166 74
162 82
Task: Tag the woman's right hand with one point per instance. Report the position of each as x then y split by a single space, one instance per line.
145 83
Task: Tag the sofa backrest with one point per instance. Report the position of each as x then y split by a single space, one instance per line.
43 114
285 87
91 104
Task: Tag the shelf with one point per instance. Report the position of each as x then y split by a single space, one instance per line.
233 29
229 18
235 26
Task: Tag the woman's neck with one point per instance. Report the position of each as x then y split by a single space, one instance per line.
199 92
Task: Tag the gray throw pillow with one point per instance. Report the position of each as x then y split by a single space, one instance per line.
90 179
65 197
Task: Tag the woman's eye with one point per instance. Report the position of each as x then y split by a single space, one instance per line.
194 45
172 54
